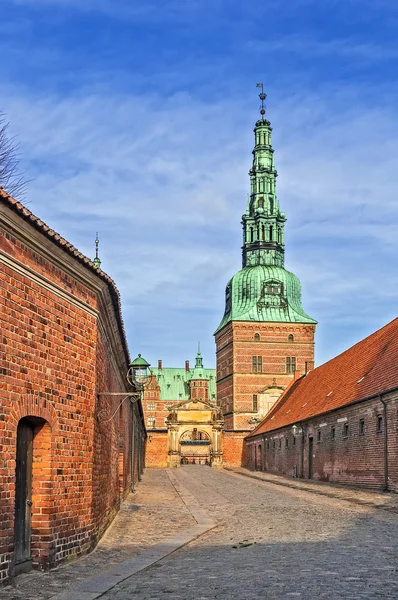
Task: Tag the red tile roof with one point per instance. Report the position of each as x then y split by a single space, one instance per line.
367 369
70 249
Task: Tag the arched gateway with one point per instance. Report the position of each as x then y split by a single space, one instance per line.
195 434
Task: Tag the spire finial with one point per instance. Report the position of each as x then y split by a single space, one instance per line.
199 359
262 95
97 260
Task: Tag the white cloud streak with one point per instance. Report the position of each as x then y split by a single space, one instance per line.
165 182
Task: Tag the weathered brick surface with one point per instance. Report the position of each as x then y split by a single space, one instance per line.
157 449
59 346
236 345
234 448
348 458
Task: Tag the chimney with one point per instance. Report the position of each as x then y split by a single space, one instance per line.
187 365
159 364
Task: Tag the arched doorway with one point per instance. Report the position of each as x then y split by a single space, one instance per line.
32 478
195 447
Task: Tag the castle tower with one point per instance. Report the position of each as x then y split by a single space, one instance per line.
265 338
199 383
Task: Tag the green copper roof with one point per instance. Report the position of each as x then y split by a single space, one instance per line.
174 383
263 290
264 293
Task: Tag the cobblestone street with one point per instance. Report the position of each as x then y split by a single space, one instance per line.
270 541
275 542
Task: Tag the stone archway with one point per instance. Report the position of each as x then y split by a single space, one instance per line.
195 434
195 447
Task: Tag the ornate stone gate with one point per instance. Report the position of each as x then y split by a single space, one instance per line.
195 434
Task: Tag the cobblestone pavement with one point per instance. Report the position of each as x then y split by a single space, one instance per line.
275 542
153 513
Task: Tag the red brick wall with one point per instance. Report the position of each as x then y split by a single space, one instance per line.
234 448
54 358
157 449
353 459
236 345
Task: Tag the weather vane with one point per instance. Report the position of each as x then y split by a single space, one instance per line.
97 260
262 95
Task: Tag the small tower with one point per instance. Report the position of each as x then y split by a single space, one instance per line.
265 338
97 260
199 383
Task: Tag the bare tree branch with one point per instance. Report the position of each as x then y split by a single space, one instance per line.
11 179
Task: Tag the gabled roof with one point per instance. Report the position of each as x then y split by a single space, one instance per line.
66 246
365 370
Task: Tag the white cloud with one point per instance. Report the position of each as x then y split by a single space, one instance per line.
165 182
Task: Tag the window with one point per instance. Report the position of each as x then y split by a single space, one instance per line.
267 445
280 443
362 427
379 423
290 338
257 363
274 444
257 337
294 441
319 435
151 406
345 430
255 403
290 364
287 443
151 422
260 203
333 433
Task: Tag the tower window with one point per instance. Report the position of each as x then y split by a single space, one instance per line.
257 337
290 338
290 364
255 403
271 233
261 203
257 364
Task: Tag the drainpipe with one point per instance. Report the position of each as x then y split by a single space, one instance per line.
302 450
384 403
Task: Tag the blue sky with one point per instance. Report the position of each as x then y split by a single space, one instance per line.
135 119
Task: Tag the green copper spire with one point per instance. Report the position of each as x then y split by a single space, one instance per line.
263 223
263 291
199 359
96 260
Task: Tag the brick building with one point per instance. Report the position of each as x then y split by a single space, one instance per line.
68 452
168 389
339 422
265 339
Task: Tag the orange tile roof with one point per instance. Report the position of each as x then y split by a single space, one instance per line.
27 215
367 369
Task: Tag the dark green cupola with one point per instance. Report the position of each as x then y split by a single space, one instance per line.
263 290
